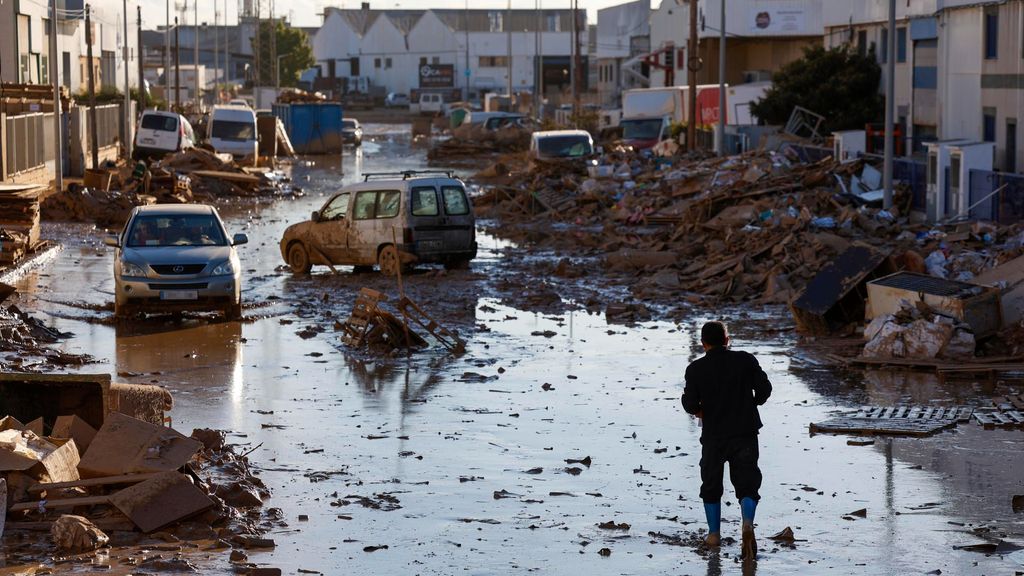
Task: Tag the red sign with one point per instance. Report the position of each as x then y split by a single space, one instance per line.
707 106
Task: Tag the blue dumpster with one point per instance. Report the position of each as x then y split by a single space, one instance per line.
314 128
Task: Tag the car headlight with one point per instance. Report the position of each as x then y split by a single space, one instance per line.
132 269
223 269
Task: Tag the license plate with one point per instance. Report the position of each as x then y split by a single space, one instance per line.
179 295
431 244
148 141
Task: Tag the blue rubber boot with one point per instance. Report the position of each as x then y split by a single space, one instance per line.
713 512
749 547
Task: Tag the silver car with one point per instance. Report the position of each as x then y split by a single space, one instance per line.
176 257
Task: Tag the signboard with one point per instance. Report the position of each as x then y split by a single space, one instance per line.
437 76
764 20
707 106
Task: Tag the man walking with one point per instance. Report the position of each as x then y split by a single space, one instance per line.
724 388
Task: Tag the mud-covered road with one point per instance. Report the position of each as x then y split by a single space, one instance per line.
459 465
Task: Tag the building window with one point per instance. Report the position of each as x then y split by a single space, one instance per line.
988 124
493 61
44 69
496 21
376 63
423 60
883 55
552 23
387 63
435 60
991 32
1010 165
901 44
862 42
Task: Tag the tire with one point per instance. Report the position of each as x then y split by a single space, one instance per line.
234 311
388 261
298 259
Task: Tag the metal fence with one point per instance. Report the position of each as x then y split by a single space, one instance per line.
108 125
915 175
28 145
996 196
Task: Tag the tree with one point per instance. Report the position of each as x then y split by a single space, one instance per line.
837 83
293 48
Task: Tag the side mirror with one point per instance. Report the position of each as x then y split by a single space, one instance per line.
316 216
239 239
111 240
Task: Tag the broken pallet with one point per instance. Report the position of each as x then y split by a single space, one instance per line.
895 421
990 419
364 311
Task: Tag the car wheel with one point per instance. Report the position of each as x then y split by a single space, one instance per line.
388 261
234 311
298 259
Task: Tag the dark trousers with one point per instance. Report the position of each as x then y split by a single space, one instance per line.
741 454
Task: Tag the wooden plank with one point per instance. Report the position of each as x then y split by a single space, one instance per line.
105 481
229 176
928 412
3 506
62 503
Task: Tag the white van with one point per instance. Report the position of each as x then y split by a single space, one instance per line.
162 133
431 104
232 130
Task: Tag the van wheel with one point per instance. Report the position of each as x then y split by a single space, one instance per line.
389 262
298 259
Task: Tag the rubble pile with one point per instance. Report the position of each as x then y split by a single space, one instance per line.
19 221
471 140
296 96
754 227
195 175
25 339
124 481
918 332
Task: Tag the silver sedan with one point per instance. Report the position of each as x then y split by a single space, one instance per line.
172 258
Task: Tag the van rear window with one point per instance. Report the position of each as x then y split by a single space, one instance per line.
160 122
455 203
231 130
424 201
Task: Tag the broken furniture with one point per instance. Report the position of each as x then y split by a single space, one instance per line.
447 338
977 306
895 421
370 324
835 297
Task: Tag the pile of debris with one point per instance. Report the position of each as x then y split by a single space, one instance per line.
755 227
296 96
19 221
27 338
373 327
126 476
918 332
472 140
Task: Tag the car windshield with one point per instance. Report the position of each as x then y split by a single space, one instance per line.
231 130
160 122
176 230
350 124
564 146
642 129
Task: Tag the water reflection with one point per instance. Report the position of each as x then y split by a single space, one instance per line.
191 352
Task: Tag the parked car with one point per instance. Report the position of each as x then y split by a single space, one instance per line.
233 131
239 102
351 132
396 100
175 257
561 144
431 104
504 120
432 215
162 133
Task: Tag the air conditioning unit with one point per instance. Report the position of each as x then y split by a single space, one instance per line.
937 170
847 145
962 159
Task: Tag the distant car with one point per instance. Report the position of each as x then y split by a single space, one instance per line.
175 257
239 102
431 104
396 100
391 222
161 133
561 144
233 131
506 119
351 132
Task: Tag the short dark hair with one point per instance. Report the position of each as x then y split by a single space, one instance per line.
714 334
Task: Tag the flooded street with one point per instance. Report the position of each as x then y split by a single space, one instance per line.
459 464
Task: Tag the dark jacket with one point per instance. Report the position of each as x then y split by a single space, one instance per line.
728 386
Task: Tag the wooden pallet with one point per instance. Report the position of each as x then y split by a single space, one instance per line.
1012 402
364 311
1000 419
895 421
449 339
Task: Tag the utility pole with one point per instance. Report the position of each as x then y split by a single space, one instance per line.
177 65
273 45
577 75
227 45
167 56
216 49
692 64
536 58
128 125
93 123
195 54
890 97
58 108
508 29
142 83
540 59
721 86
467 72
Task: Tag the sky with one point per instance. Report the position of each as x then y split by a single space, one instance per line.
306 12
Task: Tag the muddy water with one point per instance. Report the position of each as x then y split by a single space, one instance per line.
428 441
